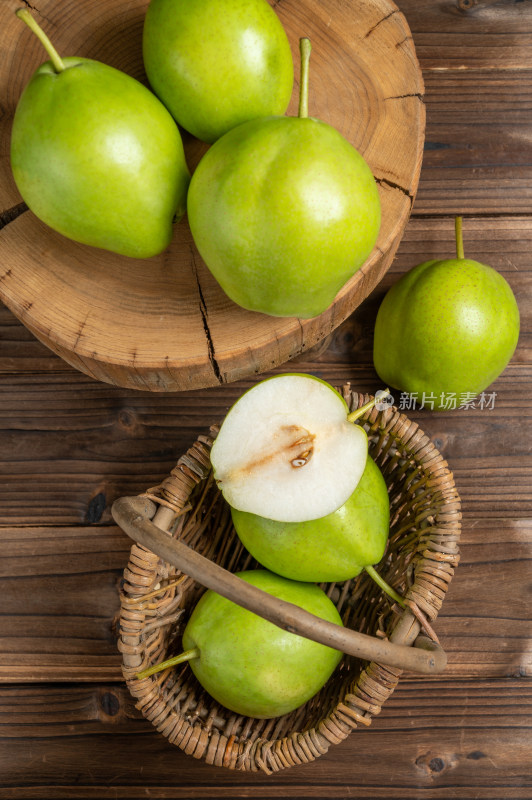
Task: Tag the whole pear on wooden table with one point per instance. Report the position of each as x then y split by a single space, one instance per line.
446 330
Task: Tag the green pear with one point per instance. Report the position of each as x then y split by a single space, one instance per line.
283 211
334 548
96 156
217 63
446 329
247 663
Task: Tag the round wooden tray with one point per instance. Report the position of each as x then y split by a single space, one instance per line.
163 323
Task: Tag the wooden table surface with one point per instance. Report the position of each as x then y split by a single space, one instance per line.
69 446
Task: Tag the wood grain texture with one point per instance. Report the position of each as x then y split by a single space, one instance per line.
45 571
93 440
476 157
88 742
72 440
504 242
69 446
164 323
471 34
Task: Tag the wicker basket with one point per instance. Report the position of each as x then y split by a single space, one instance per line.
157 598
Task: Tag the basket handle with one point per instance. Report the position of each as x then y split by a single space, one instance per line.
134 515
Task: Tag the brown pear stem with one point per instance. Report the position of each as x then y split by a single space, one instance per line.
459 237
186 655
304 51
55 58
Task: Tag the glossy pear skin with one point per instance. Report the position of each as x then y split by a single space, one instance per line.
217 63
446 327
97 157
283 211
248 664
334 548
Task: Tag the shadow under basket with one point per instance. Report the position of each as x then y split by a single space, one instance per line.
161 587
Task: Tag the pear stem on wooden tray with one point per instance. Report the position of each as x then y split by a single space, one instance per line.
186 655
459 238
304 51
55 58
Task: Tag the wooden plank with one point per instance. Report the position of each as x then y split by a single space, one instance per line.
484 622
470 34
476 157
21 351
60 600
96 442
69 447
79 445
59 589
82 741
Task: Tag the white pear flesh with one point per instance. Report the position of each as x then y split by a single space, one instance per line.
287 452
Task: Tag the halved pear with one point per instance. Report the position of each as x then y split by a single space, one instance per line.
287 450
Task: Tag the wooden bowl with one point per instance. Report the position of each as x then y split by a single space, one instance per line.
163 323
157 599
